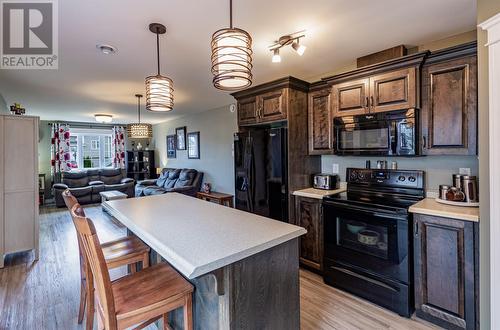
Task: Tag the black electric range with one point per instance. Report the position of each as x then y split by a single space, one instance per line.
368 245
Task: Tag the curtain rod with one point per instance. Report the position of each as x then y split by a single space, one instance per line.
85 125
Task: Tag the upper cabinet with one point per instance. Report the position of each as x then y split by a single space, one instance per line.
386 86
393 90
449 102
269 102
320 121
351 97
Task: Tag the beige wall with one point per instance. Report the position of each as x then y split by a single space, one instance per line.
216 129
485 10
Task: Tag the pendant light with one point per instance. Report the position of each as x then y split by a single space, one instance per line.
139 130
231 57
159 89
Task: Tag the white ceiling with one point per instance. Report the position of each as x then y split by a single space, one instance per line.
337 31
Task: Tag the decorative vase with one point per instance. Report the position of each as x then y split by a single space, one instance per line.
206 187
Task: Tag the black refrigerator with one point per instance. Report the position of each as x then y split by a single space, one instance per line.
260 156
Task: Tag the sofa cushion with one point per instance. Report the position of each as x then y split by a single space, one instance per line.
111 175
153 190
75 179
117 186
93 175
173 176
81 191
161 180
186 178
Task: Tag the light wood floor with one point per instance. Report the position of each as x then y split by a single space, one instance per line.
45 294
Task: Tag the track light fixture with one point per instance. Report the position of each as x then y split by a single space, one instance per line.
290 39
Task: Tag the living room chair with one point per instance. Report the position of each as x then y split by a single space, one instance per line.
128 250
139 298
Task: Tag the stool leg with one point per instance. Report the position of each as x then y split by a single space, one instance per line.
145 260
188 313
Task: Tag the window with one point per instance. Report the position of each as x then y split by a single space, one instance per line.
91 148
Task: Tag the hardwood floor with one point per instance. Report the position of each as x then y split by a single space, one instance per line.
45 294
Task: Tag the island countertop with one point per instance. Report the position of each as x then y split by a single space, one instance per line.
196 236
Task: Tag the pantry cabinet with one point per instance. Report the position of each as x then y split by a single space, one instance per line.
320 121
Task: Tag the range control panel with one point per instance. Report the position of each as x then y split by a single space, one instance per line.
386 178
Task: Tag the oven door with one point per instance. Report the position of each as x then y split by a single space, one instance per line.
370 240
364 138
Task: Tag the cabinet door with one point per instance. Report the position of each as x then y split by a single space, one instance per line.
247 111
308 213
320 122
444 271
273 105
394 90
350 98
2 233
449 108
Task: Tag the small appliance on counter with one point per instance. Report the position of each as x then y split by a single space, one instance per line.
462 193
326 181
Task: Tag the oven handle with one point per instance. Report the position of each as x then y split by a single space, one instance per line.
376 213
371 280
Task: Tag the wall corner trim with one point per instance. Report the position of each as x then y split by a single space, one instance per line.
492 25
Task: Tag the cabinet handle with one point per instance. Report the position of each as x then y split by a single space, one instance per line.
415 229
372 103
366 102
424 142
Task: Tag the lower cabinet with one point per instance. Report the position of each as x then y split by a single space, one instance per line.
308 212
445 260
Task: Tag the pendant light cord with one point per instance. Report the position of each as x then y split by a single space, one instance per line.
231 14
139 108
158 50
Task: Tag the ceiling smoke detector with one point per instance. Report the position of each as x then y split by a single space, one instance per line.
106 49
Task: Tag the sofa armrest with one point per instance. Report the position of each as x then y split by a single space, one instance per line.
96 183
60 186
149 182
127 180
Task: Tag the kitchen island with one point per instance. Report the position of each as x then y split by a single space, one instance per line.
245 267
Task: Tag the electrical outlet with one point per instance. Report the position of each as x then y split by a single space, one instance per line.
335 168
464 170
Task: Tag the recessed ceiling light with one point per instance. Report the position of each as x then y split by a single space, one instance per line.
106 49
103 118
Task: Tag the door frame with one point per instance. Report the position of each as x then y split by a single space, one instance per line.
492 26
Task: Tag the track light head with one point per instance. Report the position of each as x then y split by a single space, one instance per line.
300 49
276 56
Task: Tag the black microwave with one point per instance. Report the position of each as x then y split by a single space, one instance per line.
392 133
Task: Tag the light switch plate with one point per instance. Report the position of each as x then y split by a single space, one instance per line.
335 168
464 170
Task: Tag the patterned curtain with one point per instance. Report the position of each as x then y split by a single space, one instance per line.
119 146
60 151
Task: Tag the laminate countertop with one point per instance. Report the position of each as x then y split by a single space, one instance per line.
317 193
429 206
196 236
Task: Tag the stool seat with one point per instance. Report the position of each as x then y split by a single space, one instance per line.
158 285
121 250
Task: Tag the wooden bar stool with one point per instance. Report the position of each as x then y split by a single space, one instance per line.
128 250
139 298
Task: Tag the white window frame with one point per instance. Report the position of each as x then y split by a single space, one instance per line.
102 133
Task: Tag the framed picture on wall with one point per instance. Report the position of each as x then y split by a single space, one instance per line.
180 133
193 145
171 146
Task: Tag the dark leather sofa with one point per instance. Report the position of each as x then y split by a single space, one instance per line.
186 181
86 185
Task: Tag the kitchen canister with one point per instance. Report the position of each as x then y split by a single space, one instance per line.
469 188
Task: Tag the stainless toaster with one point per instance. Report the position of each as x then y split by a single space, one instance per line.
326 181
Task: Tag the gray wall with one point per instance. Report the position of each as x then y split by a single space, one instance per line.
438 168
44 155
3 105
485 10
216 129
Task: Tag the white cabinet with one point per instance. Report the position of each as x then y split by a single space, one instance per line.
18 185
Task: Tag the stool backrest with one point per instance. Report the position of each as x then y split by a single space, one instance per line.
70 200
95 258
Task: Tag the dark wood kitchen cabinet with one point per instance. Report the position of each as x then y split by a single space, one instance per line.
266 104
308 214
393 90
386 86
351 98
445 263
449 102
320 121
